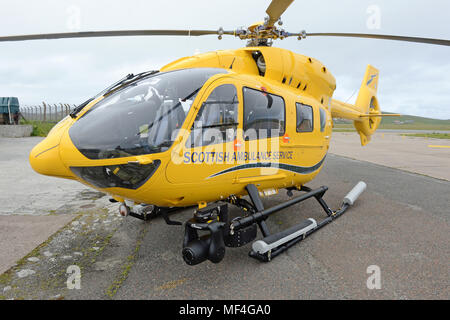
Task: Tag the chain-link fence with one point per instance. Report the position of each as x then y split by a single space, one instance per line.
46 112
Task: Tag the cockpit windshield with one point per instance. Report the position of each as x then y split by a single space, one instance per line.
141 118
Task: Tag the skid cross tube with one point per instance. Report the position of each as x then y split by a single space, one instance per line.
262 215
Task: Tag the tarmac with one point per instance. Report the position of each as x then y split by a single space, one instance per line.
400 224
413 154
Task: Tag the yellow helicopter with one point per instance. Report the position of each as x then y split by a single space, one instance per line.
208 130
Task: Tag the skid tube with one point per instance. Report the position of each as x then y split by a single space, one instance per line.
272 245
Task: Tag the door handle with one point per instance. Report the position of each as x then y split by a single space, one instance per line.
141 161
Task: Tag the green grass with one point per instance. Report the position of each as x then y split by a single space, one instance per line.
417 123
433 135
339 129
40 129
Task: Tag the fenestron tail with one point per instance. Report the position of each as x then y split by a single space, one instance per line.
366 113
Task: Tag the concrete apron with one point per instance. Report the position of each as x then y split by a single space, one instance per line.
21 234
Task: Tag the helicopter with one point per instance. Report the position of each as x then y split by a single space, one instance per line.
221 128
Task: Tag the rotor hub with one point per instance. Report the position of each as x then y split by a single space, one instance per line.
261 34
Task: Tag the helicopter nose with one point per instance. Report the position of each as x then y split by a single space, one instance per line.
45 159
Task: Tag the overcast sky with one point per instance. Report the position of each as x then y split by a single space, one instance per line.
414 78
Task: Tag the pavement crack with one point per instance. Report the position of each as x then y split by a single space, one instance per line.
128 264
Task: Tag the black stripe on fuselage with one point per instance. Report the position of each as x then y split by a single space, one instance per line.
282 166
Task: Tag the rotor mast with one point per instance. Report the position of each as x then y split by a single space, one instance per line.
264 34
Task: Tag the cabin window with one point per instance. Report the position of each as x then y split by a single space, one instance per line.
264 115
304 118
323 119
217 120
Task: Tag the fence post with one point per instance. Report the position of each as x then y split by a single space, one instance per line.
45 110
56 112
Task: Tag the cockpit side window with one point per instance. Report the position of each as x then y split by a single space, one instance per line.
264 115
217 120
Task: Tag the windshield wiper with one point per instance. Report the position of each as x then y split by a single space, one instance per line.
127 80
75 111
117 85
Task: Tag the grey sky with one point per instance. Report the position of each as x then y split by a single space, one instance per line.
414 79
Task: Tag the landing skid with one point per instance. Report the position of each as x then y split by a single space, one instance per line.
273 244
242 230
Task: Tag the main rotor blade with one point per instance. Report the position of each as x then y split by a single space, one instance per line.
276 9
441 42
119 33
